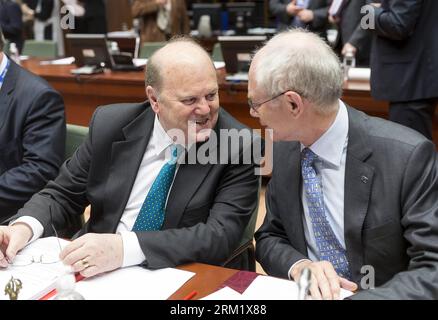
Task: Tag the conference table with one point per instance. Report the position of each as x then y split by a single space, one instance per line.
83 94
207 280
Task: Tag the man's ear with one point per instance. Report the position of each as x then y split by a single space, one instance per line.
152 96
295 102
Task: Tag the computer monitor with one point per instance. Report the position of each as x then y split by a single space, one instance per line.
237 51
126 43
89 49
214 10
241 16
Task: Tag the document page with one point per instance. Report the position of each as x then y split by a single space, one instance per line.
133 283
36 267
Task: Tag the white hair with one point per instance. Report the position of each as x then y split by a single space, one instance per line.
301 61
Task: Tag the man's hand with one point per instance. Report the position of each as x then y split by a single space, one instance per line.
292 9
94 253
376 5
325 282
348 47
13 239
306 15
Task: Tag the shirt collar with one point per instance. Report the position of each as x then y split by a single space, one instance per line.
160 140
4 64
330 146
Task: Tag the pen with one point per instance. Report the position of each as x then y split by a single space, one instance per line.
190 295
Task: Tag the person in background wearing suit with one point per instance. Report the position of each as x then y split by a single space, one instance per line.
350 195
32 135
161 19
126 167
11 22
404 61
94 19
351 36
308 14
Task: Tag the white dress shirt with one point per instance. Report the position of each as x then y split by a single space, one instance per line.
156 155
3 70
331 149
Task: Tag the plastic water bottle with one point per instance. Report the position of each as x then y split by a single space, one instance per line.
65 286
348 62
14 54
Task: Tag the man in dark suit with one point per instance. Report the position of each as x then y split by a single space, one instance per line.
351 36
404 61
134 218
32 135
11 22
353 198
310 14
94 19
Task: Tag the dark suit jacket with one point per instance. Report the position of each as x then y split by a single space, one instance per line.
32 137
350 30
390 210
319 8
404 59
208 205
11 22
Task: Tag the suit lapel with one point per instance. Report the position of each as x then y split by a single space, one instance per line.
126 157
187 181
7 90
295 215
358 182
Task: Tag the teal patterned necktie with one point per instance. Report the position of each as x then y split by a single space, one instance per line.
329 247
151 216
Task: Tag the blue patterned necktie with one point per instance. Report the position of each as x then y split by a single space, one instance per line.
328 245
151 216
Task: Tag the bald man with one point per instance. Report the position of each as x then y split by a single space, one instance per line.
152 203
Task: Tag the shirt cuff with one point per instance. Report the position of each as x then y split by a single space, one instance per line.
290 269
132 253
34 224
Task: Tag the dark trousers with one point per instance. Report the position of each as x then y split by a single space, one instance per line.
417 115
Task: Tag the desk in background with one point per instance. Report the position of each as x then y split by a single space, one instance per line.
82 95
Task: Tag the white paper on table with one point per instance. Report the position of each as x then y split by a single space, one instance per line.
37 279
139 62
270 288
134 283
225 293
59 62
219 64
359 74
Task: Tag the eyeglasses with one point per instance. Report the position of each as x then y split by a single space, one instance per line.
255 106
22 260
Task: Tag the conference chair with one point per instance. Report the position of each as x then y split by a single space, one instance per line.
40 49
217 52
148 48
6 47
74 138
244 256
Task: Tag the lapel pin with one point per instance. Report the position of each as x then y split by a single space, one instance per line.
364 179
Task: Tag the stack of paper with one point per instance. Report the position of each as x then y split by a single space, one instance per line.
133 283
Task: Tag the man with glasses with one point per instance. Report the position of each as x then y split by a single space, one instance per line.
147 207
353 198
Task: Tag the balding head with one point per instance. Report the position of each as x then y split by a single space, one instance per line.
179 55
300 61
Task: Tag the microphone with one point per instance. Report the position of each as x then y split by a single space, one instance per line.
304 283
